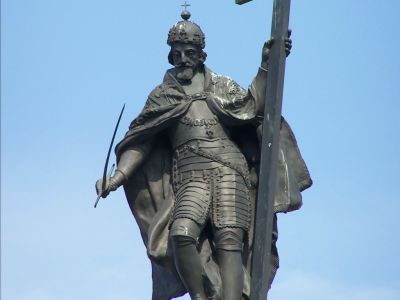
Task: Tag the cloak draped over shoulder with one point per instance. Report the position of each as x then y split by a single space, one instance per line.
149 191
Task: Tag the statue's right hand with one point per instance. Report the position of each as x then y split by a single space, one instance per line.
111 183
104 193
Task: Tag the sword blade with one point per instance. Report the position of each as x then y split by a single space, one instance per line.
103 185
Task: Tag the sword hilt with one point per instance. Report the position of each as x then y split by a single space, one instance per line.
108 176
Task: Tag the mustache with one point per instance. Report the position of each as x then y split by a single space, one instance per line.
185 65
185 74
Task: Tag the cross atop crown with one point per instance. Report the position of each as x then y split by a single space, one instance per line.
185 5
185 14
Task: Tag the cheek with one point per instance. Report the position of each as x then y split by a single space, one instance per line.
176 58
195 60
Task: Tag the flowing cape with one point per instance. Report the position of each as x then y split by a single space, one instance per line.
149 191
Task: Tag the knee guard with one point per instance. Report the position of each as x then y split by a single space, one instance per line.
230 239
181 241
184 229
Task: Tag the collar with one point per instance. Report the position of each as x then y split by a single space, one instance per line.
170 77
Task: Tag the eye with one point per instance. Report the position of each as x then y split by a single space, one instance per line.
190 53
176 54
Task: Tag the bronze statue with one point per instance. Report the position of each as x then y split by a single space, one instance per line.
189 165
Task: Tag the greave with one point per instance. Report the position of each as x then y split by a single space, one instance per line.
188 265
231 269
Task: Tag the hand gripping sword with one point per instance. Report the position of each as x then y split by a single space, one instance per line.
105 175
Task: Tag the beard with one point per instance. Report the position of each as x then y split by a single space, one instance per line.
185 73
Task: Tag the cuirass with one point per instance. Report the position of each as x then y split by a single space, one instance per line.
198 123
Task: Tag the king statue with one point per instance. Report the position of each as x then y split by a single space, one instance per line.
189 165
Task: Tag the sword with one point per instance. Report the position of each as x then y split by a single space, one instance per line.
105 175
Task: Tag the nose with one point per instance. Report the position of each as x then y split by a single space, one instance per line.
184 58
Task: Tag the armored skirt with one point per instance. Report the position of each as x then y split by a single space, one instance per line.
210 180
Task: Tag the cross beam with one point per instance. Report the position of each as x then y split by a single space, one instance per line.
240 2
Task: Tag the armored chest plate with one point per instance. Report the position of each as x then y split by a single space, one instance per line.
199 123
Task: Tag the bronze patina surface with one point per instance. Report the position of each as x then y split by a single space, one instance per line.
189 165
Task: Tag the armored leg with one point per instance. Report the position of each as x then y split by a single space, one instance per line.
184 234
210 185
229 243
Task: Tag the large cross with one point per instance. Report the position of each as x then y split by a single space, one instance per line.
261 266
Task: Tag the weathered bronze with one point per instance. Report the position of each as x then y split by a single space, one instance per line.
261 266
189 165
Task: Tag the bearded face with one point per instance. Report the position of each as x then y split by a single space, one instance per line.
186 58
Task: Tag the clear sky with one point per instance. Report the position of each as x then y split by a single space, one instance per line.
68 66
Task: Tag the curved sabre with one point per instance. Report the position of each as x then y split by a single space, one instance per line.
103 185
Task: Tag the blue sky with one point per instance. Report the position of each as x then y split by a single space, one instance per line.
68 66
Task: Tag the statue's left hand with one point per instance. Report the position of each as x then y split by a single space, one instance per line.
267 49
288 42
